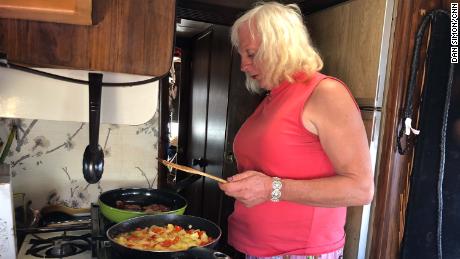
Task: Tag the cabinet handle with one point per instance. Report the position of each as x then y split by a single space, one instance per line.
230 157
201 162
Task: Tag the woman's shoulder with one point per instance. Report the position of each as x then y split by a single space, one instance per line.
320 83
328 83
315 78
331 91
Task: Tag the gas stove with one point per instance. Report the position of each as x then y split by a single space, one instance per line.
70 243
67 244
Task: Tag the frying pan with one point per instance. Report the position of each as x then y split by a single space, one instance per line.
139 196
185 221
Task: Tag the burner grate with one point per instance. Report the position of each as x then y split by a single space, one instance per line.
59 246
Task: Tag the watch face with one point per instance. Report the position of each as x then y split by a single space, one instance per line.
276 184
276 194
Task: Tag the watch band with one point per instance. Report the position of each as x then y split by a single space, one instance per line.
276 189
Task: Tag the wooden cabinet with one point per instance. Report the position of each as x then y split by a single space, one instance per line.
68 11
132 37
350 38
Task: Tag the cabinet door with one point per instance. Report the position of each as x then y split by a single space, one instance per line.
132 37
351 40
241 104
208 121
70 11
219 105
219 81
196 147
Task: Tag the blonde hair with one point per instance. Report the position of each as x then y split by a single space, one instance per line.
285 46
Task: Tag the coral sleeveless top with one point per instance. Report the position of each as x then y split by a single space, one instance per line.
274 141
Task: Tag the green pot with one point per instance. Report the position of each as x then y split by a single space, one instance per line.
139 196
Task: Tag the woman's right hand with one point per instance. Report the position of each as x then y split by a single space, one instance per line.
250 187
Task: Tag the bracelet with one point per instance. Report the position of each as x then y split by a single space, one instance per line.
276 189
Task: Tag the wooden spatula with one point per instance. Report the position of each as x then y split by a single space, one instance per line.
190 170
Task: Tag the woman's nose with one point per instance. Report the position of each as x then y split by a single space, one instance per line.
244 65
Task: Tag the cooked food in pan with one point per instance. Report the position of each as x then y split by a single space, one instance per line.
152 208
168 238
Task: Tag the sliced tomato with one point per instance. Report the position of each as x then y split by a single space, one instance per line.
177 228
132 237
176 240
170 242
166 243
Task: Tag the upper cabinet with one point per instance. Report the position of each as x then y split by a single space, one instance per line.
68 11
133 37
353 40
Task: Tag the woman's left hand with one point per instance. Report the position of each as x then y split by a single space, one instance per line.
250 187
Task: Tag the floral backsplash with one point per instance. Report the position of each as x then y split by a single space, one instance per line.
45 159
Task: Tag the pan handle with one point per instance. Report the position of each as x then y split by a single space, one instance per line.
206 253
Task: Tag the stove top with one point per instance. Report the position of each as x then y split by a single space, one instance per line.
66 244
74 244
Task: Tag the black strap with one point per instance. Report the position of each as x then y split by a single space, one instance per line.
409 109
4 63
431 197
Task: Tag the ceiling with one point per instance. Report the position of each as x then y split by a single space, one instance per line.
238 4
225 12
195 16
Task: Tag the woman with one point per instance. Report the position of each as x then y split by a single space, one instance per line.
302 155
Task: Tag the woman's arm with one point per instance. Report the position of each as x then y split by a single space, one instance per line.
332 114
